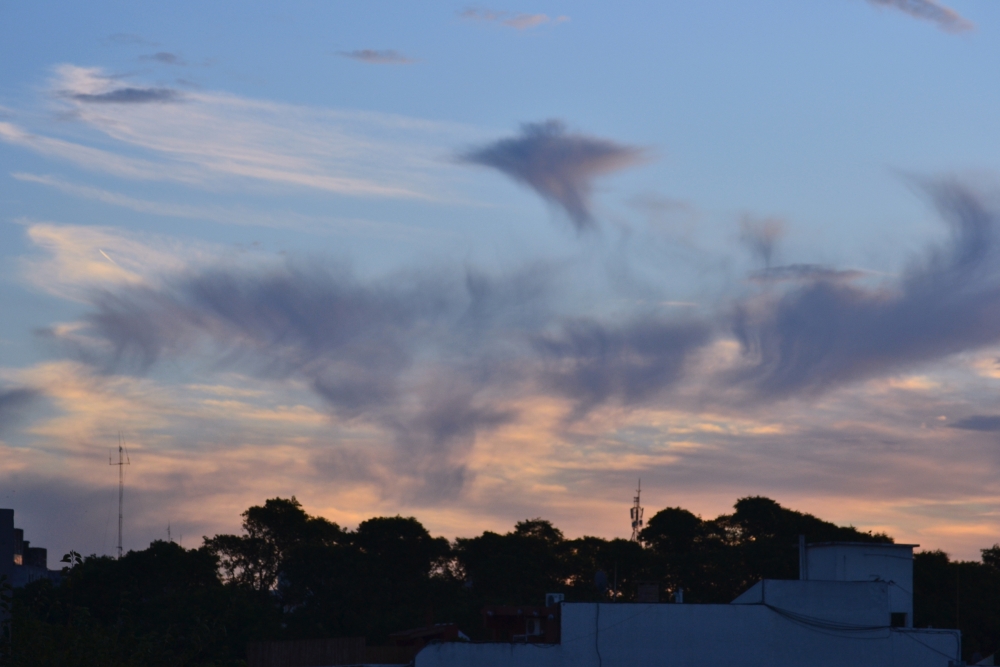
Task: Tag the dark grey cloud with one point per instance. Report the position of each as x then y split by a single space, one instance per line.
129 96
987 423
357 344
828 332
761 237
433 358
928 10
128 39
376 57
13 405
558 165
352 340
593 363
164 57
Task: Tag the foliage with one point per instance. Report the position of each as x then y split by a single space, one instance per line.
162 606
957 594
716 560
290 575
272 532
388 575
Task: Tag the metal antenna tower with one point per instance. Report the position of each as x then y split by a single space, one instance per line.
123 460
636 513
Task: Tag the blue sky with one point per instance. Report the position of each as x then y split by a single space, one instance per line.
477 263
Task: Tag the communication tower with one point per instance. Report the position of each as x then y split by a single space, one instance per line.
123 461
636 513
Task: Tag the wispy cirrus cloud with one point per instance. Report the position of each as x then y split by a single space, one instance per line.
96 158
215 140
129 95
235 215
944 17
434 359
356 345
804 273
830 332
77 260
819 333
557 164
439 384
377 57
517 21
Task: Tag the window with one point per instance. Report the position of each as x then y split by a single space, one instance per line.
897 619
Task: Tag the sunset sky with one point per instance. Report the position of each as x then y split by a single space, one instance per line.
480 263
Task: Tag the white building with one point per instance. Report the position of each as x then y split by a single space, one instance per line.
853 605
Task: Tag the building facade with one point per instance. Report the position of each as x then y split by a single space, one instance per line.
21 562
853 605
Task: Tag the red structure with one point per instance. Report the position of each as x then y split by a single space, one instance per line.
420 637
523 624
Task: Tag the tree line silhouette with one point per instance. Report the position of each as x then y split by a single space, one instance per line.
289 575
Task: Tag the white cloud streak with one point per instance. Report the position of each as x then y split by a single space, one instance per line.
94 158
76 260
222 141
225 215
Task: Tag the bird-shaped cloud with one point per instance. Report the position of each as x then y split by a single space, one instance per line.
558 165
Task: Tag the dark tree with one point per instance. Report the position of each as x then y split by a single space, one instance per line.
388 575
959 594
673 531
291 575
519 567
164 605
272 531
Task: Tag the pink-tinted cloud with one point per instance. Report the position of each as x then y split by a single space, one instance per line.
409 392
929 10
511 20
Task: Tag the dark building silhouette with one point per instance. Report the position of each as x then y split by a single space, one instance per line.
21 562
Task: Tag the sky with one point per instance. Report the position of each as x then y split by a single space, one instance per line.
482 263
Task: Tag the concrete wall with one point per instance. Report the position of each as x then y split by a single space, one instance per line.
867 562
859 603
667 635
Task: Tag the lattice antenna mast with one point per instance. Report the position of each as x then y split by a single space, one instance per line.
123 461
636 513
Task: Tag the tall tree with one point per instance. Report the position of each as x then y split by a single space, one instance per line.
519 567
272 531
